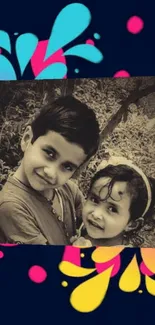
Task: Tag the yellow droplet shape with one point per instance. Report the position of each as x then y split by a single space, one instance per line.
105 254
89 295
150 285
73 270
130 279
64 283
148 256
82 255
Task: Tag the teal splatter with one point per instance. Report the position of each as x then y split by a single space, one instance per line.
86 51
5 41
97 36
69 24
53 71
76 70
6 69
25 47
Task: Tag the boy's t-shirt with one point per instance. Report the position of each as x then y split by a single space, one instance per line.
27 217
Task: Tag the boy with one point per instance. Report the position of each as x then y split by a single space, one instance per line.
39 204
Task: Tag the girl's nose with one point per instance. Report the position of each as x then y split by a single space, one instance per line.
98 214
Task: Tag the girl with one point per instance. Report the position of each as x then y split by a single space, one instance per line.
120 198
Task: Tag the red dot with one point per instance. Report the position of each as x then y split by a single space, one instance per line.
90 41
122 74
135 24
1 254
37 274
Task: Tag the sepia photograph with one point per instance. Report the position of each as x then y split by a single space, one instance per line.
77 162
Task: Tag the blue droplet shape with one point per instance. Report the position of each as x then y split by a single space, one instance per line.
76 70
86 51
5 41
97 36
6 69
53 71
69 24
25 47
16 33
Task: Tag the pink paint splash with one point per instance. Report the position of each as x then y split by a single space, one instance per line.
122 74
9 245
37 274
116 262
72 255
90 41
144 270
37 61
135 25
1 254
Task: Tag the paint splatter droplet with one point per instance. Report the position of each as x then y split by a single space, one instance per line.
82 255
97 36
90 41
122 74
76 70
37 274
64 284
1 254
135 25
16 33
140 291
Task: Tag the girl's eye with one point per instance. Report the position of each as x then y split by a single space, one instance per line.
94 199
112 209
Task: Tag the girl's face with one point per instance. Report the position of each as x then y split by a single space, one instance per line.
107 218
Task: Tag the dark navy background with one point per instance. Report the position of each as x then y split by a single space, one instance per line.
21 300
25 302
121 49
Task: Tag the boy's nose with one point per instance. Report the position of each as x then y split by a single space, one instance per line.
51 174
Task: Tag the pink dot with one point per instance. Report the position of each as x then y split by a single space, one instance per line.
0 50
90 41
122 74
37 274
1 254
145 270
135 24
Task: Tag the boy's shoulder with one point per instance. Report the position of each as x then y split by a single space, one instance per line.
72 188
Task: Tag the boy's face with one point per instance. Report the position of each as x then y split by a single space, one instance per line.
107 219
50 161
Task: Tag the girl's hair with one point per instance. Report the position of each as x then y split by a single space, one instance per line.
137 189
72 119
135 186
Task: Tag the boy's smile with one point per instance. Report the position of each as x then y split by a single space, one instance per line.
49 162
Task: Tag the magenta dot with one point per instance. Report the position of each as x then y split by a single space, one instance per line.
37 274
0 50
90 41
122 74
135 24
1 254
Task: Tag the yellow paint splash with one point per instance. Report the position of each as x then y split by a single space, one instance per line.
73 270
130 279
150 285
148 256
105 254
64 283
89 295
82 255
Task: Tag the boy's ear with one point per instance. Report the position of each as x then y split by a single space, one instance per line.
26 138
134 224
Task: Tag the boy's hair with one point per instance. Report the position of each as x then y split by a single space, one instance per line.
135 187
72 119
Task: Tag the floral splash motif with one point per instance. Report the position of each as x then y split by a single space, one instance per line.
89 295
47 58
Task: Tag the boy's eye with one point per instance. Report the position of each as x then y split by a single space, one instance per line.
50 153
69 168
